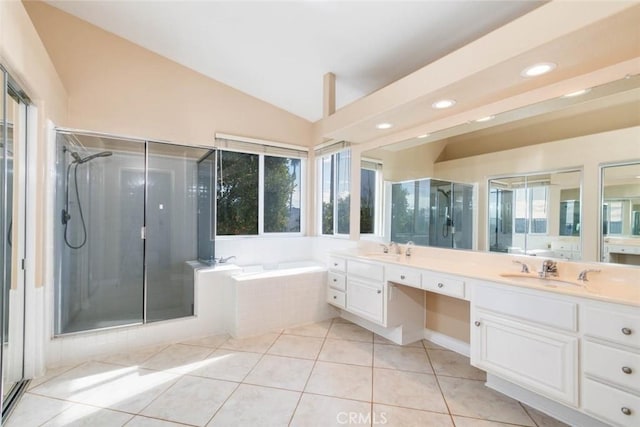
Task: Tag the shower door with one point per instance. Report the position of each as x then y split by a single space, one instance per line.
126 233
13 119
99 226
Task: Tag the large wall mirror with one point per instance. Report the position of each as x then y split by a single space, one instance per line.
620 195
534 172
536 214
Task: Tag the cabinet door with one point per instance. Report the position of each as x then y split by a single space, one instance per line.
537 359
366 300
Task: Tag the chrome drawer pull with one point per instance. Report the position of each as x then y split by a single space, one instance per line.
625 410
626 331
379 291
335 280
402 276
477 323
335 264
441 285
627 370
335 297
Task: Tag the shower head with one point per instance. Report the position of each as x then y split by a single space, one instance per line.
76 157
80 160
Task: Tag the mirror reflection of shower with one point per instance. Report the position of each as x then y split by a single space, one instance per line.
66 216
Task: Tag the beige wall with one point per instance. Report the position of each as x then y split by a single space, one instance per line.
26 59
118 87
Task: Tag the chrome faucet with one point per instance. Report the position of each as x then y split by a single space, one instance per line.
525 267
392 244
407 251
549 268
583 274
385 248
223 260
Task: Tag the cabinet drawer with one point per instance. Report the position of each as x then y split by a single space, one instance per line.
539 309
405 276
366 270
623 328
336 297
619 367
337 264
337 281
610 404
443 285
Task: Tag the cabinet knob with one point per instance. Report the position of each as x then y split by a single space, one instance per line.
627 370
626 331
335 297
379 291
335 264
402 276
625 410
335 280
441 285
477 323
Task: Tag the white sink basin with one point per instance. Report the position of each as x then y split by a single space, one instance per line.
549 282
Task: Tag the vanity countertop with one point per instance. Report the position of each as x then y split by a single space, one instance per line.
611 284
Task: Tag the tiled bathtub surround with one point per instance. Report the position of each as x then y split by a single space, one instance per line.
322 374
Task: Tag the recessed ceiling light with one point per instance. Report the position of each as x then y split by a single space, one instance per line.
538 69
423 136
443 103
577 93
383 126
485 119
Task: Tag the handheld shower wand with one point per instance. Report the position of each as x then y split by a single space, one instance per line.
66 217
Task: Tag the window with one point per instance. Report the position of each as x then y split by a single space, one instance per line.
370 197
282 194
237 194
335 195
258 194
530 212
614 210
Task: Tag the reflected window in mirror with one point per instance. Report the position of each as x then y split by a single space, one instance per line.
536 214
371 197
620 201
335 172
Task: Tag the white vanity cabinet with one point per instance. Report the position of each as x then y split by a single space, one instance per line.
611 362
366 290
528 338
337 280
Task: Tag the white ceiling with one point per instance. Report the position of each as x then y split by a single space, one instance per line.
279 51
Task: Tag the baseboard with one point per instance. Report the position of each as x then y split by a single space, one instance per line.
447 342
552 408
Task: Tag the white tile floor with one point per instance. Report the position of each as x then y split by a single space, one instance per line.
323 374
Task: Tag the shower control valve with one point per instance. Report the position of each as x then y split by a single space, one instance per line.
65 216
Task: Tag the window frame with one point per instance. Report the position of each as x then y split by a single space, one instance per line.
319 187
261 172
528 197
379 192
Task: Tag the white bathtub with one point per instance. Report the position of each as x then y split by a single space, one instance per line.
272 297
254 272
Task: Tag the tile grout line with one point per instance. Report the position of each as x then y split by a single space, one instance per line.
444 399
180 376
243 378
528 414
315 362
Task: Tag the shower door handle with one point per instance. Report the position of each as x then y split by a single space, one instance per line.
143 233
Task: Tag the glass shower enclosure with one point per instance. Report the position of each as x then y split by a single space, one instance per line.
126 233
431 212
